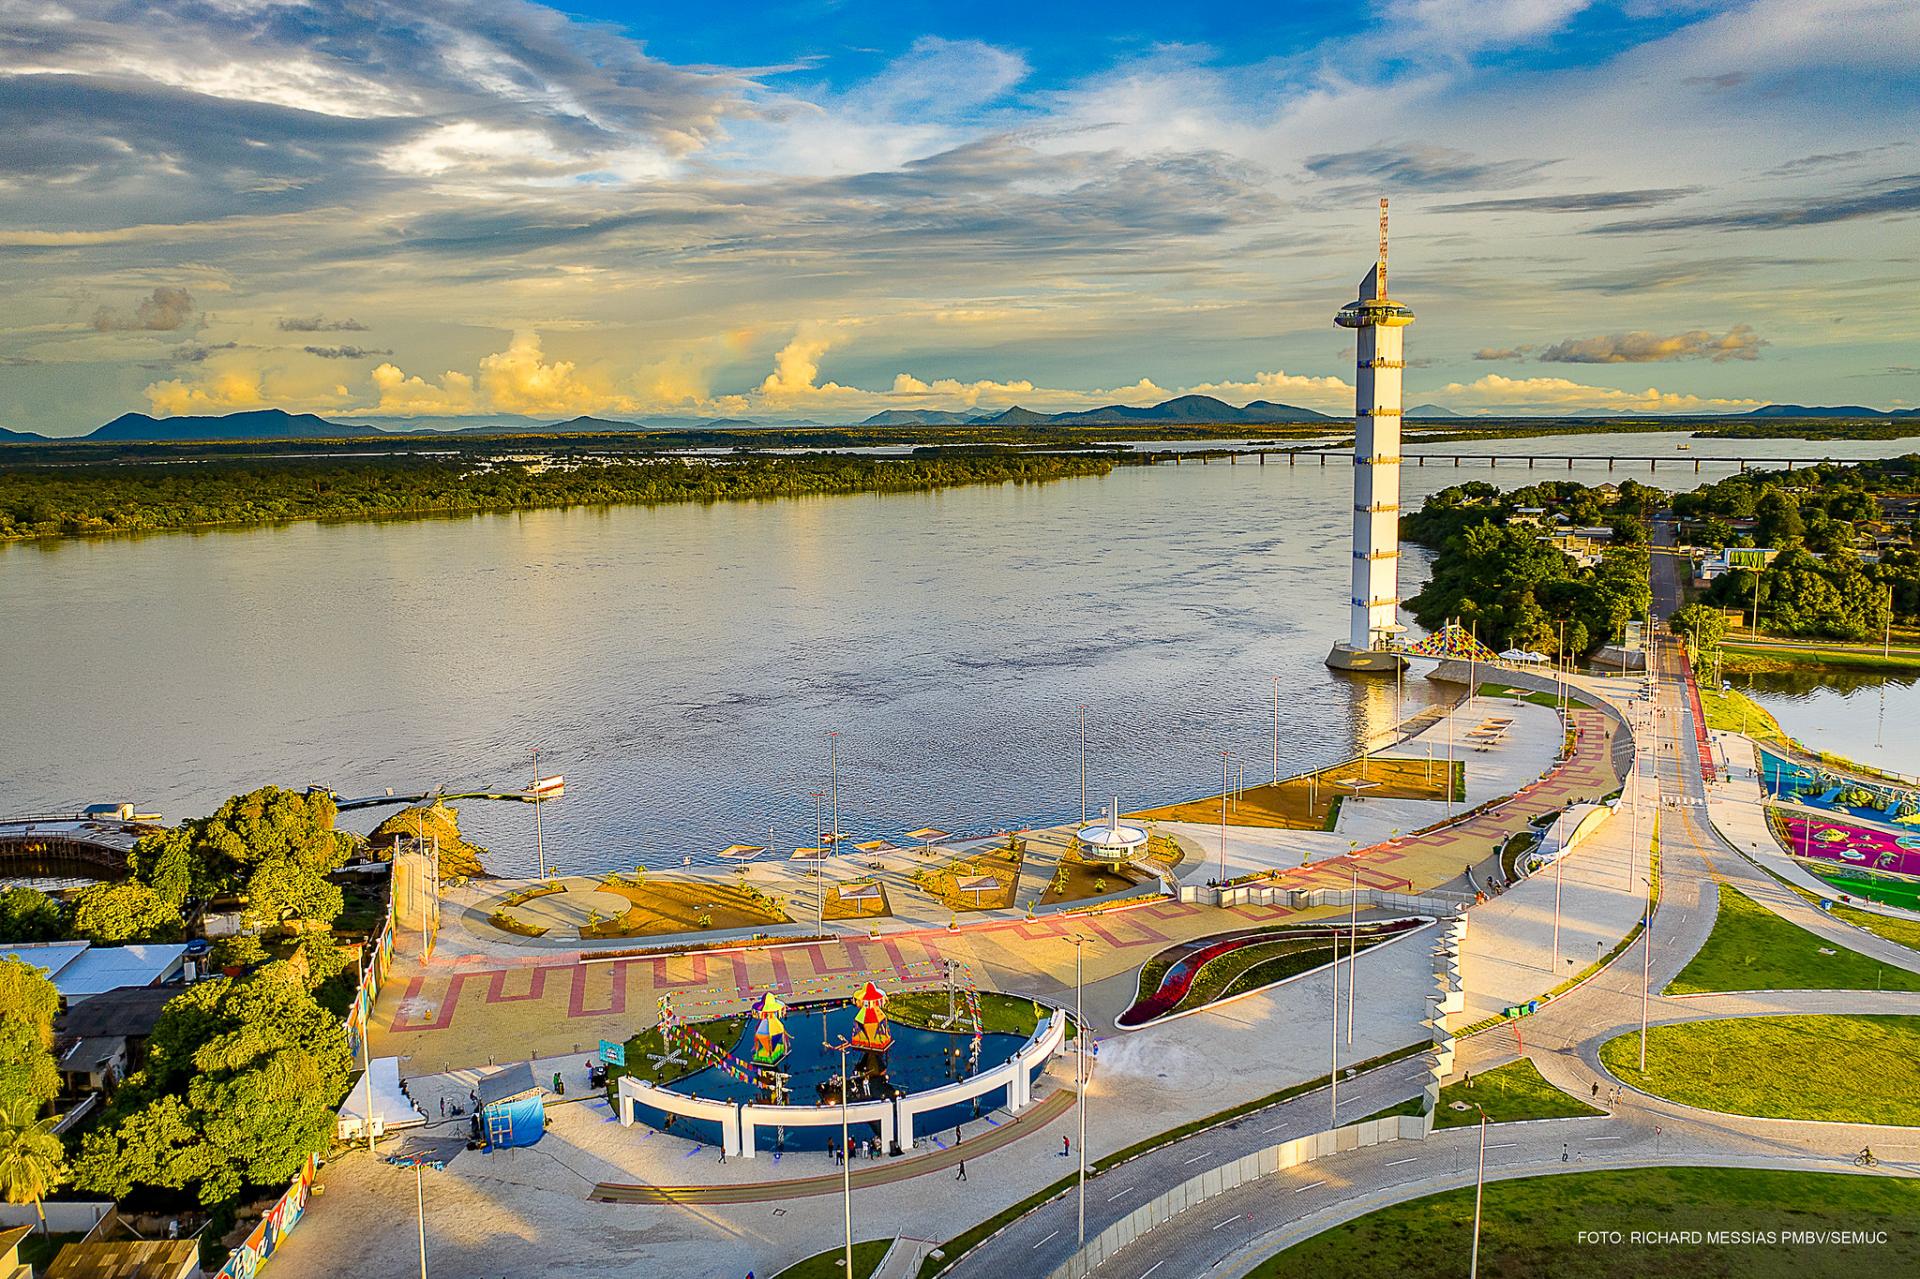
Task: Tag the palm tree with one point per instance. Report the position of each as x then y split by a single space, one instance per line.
32 1160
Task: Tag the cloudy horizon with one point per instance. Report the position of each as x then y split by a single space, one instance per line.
826 210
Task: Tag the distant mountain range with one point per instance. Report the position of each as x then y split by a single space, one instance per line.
1185 410
1836 410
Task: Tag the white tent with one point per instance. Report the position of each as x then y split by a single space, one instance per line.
1522 655
392 1107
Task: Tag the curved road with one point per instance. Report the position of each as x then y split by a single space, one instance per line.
1233 1232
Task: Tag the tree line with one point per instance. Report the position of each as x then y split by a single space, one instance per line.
132 497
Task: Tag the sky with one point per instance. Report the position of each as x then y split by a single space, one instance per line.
430 211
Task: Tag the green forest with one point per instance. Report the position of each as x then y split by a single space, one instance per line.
46 501
1516 589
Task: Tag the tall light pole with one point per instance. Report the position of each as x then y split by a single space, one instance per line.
1353 944
819 863
1276 729
539 852
1559 860
1083 766
833 765
1080 1080
420 1205
1646 971
846 1155
1226 783
1333 1044
1479 1186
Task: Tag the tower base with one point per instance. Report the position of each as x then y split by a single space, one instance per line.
1364 661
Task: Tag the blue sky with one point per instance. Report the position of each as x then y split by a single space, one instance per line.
438 210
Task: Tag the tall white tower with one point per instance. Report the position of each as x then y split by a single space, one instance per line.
1377 320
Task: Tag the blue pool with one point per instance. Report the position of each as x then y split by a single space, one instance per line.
919 1060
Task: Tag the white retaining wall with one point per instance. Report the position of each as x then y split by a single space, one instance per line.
62 1218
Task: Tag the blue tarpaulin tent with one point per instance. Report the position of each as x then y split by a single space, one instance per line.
513 1107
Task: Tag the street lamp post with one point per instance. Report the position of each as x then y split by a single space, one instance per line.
1079 1080
1333 1043
833 765
819 862
1226 782
846 1156
420 1204
1083 766
1646 971
1353 944
539 852
1276 729
1479 1187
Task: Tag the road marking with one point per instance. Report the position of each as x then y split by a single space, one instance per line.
1127 1191
1505 1145
1050 1234
1228 1222
1620 1138
1155 1266
1303 1190
1196 1159
1409 1159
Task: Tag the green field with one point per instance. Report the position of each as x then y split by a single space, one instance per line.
832 1263
1732 711
1845 1069
1531 1229
1508 1094
1888 892
1901 932
1751 948
1765 659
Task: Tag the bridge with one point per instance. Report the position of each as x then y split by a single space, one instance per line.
400 801
1653 460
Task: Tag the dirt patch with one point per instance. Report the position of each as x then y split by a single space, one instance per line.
862 899
987 879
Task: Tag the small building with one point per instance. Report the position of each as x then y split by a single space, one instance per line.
101 1040
1750 559
513 1107
145 1259
80 970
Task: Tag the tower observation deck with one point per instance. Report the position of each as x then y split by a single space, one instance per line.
1376 320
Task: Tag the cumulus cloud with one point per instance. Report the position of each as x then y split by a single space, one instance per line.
345 352
319 324
224 392
1278 384
517 380
1558 393
1738 343
165 310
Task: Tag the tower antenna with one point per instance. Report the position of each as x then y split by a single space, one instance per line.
1383 246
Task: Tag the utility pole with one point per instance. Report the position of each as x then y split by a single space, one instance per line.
1226 767
833 765
1276 729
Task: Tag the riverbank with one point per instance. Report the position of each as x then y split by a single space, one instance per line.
1782 658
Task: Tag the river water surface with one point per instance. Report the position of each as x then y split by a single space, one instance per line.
682 664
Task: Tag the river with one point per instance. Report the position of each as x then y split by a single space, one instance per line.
682 664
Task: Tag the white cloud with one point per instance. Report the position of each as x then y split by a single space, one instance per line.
1550 393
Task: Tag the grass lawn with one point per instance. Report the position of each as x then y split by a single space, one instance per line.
999 1014
724 1031
1732 711
867 1256
1076 879
1740 659
1888 892
1509 1094
1901 932
662 906
1536 696
1411 1106
1751 948
1300 803
1531 1226
1842 1068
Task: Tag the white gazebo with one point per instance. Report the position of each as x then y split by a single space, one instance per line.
1113 840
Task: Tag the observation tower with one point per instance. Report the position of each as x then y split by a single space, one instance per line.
1376 320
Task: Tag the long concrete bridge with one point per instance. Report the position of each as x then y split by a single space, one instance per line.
1294 457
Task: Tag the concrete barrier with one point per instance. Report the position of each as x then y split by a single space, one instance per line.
632 1092
68 1217
755 1116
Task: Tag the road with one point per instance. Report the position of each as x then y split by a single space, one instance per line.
1232 1233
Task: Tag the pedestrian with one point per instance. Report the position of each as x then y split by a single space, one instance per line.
443 1107
962 1174
956 1134
723 1154
1066 1147
1596 1090
1469 1079
1563 1152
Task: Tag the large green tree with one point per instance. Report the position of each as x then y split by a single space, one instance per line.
240 1084
27 914
32 1160
125 912
28 1002
275 847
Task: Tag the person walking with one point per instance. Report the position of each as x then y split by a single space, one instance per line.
1596 1090
956 1134
1469 1080
1563 1152
962 1174
723 1154
1066 1147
